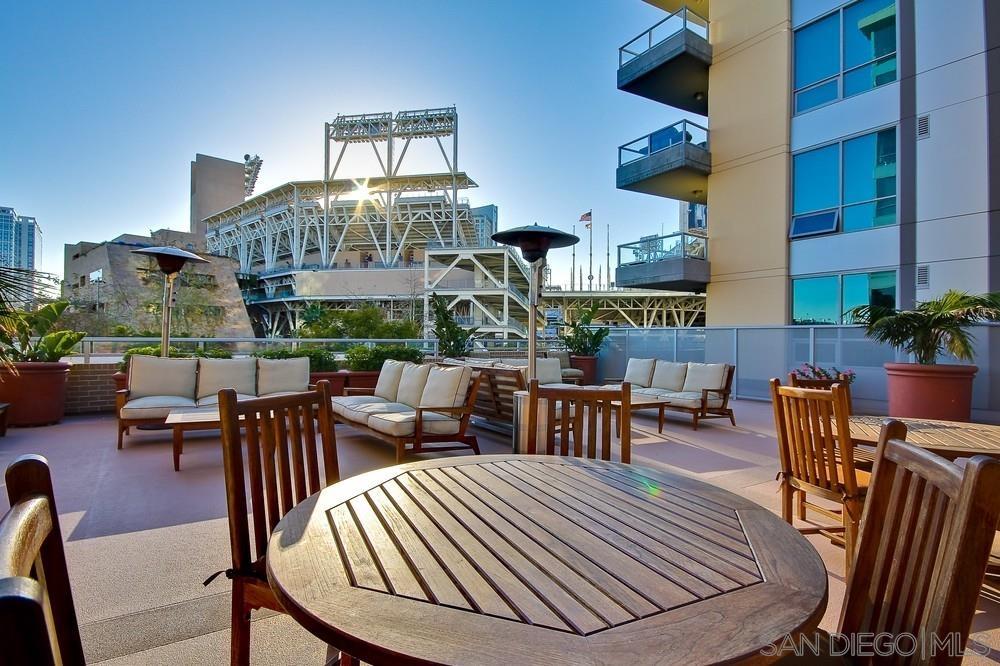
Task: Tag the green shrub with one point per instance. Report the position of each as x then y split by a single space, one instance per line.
320 360
361 357
174 352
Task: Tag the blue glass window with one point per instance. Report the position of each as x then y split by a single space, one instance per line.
817 51
810 225
816 179
815 300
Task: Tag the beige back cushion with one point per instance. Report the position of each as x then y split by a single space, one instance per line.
549 371
704 376
563 357
411 384
446 386
388 379
639 371
215 374
282 375
152 375
669 376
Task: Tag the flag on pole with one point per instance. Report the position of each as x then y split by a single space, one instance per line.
588 218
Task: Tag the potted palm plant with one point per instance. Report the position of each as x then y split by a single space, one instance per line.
32 377
583 343
928 389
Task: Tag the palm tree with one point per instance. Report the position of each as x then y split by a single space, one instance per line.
18 288
933 327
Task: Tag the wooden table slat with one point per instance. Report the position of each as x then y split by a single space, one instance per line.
949 439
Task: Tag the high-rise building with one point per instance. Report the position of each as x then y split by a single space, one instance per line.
216 184
844 149
20 239
484 218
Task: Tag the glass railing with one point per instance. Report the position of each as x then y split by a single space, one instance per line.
658 248
685 19
683 131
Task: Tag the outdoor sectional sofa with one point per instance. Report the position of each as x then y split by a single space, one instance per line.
414 405
699 389
157 386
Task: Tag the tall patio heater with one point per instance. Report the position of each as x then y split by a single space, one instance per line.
170 260
534 242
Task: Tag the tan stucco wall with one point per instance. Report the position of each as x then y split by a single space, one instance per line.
748 198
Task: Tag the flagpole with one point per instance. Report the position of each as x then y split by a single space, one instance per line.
590 261
572 270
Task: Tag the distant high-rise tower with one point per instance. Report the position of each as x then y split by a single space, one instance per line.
20 239
216 184
485 220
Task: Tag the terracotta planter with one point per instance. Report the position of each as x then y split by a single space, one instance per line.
941 392
37 394
589 366
120 379
337 381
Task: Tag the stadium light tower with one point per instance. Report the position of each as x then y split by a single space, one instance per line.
170 260
535 243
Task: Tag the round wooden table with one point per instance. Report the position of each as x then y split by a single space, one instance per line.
542 560
948 439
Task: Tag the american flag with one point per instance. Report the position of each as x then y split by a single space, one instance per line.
588 218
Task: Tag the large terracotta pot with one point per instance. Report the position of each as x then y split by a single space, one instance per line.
589 366
37 393
930 391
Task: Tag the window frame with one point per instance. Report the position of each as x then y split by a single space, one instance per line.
840 291
839 76
841 205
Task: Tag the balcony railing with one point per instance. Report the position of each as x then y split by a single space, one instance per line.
685 19
680 245
683 131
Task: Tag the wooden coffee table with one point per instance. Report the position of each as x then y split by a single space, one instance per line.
497 560
189 418
640 401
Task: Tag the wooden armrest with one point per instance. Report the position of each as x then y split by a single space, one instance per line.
123 391
358 391
445 410
614 380
705 392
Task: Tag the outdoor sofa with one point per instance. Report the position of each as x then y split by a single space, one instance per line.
156 386
699 389
414 405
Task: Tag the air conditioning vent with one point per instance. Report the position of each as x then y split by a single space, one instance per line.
923 127
923 277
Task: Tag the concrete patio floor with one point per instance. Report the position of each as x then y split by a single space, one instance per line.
141 538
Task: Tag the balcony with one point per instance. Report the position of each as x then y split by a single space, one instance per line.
676 262
671 162
669 63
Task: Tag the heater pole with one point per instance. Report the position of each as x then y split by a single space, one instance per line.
536 270
168 297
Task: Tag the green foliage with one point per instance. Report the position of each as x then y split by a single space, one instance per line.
320 359
173 352
453 339
582 340
362 357
933 327
29 336
367 322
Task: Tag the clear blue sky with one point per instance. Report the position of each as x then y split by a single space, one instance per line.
106 103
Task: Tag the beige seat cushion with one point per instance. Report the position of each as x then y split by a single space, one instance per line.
669 375
411 384
215 374
446 386
402 424
360 413
572 373
690 399
154 406
213 400
284 375
343 403
152 375
548 371
639 371
388 379
704 376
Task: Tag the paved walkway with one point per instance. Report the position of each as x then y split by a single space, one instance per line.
141 538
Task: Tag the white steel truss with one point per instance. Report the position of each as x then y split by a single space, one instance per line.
637 308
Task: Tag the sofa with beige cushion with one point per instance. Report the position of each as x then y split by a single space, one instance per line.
156 386
699 389
415 405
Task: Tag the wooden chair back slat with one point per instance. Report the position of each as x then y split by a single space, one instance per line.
927 530
825 385
276 463
572 417
38 622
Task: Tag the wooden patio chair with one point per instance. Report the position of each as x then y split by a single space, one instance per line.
925 540
37 620
817 456
567 409
276 467
824 384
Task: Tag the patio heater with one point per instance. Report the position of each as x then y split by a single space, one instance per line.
170 260
534 242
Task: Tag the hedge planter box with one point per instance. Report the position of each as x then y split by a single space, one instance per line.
588 364
338 380
366 379
37 394
942 392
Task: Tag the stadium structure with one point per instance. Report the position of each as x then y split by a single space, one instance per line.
395 238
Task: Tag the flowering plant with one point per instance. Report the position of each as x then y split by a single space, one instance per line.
811 371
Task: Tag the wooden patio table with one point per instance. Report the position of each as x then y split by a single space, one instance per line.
510 559
189 418
949 439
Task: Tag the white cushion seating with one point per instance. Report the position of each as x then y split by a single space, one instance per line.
154 406
388 379
411 384
446 386
639 371
213 400
403 423
215 374
155 376
351 402
282 376
704 376
668 375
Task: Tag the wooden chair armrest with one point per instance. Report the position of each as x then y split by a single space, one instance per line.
705 392
614 380
464 409
358 391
